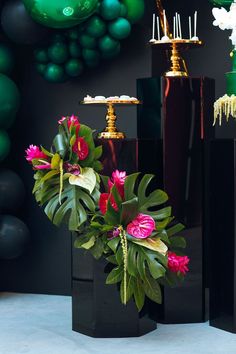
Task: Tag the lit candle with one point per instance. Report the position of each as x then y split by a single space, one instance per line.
158 29
190 27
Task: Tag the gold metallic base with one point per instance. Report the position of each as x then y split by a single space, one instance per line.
176 74
111 135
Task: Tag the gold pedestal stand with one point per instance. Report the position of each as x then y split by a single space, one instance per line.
178 67
111 131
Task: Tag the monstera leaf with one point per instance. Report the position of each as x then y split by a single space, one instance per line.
74 202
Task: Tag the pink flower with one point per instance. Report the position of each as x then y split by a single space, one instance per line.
72 121
34 152
118 179
142 226
81 148
73 169
178 263
103 201
45 166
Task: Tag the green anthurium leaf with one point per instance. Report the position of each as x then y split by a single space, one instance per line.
55 161
116 196
104 180
82 239
139 294
178 242
98 166
49 175
86 179
119 255
152 243
175 229
161 213
130 286
89 244
113 244
73 140
112 259
98 249
152 289
46 152
129 211
115 276
98 152
130 182
60 145
161 225
112 217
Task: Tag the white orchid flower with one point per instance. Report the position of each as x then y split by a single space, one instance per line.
222 18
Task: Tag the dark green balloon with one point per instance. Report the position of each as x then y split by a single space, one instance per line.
112 54
107 44
74 49
91 57
5 145
135 9
41 55
54 73
58 53
120 28
73 34
224 3
96 27
123 11
60 13
110 9
40 67
87 41
74 67
6 60
58 37
9 101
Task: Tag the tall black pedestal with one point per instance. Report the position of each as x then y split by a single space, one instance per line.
222 190
179 112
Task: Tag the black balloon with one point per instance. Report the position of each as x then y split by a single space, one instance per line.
12 191
14 237
19 26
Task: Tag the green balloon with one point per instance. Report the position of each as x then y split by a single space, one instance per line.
60 13
120 28
223 3
58 53
58 37
74 49
41 68
5 145
123 10
91 57
74 67
41 55
73 34
87 41
113 54
135 9
107 44
96 27
9 101
110 9
6 60
54 73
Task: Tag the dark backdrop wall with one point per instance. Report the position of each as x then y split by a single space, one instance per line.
45 267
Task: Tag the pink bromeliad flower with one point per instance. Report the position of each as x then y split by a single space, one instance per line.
72 121
118 179
142 226
34 152
45 165
178 263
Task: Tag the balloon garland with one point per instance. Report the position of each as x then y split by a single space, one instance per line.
69 52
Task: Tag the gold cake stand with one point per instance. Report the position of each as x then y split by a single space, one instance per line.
175 47
111 131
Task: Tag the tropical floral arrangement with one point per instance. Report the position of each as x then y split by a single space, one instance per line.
128 225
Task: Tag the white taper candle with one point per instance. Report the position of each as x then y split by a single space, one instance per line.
174 32
180 30
165 28
158 29
190 27
153 26
195 24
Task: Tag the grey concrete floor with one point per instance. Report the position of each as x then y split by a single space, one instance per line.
41 324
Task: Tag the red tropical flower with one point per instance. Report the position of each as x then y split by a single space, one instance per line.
81 148
178 264
142 226
118 179
103 201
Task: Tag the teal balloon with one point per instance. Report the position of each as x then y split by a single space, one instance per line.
74 67
123 11
41 68
96 27
107 44
5 145
60 13
135 9
58 53
73 34
110 9
74 49
223 3
87 41
110 55
41 55
54 73
120 28
9 101
58 37
91 57
6 60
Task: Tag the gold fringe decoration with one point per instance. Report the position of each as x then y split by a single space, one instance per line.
61 180
226 106
124 245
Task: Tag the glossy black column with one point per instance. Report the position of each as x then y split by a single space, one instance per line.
179 112
222 190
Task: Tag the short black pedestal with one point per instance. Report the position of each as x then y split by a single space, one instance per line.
179 112
96 307
222 190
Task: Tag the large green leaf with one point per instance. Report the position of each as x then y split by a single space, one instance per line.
152 289
139 294
115 276
152 243
129 211
130 182
74 202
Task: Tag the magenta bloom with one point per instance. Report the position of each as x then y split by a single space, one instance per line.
72 120
73 169
118 179
45 166
34 152
178 264
142 226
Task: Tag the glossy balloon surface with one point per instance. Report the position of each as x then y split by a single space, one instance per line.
60 14
120 28
12 191
135 9
9 101
5 145
6 60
